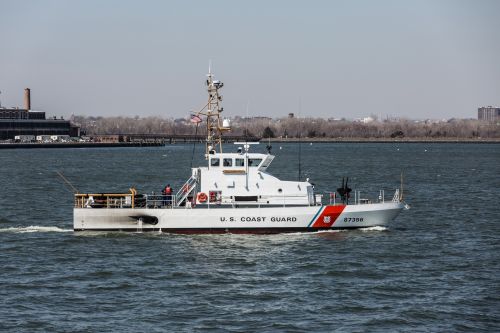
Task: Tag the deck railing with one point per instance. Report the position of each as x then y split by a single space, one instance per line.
105 200
160 201
265 200
124 200
134 200
356 198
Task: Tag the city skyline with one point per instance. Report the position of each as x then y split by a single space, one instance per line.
409 59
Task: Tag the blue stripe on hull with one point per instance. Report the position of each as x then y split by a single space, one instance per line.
315 216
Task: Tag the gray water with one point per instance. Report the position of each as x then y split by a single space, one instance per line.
435 268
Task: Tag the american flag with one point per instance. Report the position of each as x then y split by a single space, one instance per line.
195 119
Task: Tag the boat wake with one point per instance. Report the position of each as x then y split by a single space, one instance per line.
34 228
376 228
333 231
309 233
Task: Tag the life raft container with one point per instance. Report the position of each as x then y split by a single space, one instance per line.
202 197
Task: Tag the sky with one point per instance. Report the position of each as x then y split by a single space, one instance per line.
343 59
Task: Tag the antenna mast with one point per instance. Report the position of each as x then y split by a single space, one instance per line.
300 133
213 110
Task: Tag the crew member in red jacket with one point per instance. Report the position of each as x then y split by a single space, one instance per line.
167 195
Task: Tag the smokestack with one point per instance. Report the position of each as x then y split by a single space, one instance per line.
27 99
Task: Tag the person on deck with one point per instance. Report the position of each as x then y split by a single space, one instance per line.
167 193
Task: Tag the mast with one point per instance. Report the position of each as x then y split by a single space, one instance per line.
214 109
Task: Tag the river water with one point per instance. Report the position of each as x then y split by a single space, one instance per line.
435 268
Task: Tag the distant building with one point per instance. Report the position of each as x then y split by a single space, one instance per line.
291 115
109 138
261 118
488 113
10 128
24 123
16 113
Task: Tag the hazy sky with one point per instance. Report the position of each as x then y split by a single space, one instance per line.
416 59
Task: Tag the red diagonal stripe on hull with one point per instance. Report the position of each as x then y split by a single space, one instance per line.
328 216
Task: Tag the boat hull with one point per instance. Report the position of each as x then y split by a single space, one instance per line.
263 220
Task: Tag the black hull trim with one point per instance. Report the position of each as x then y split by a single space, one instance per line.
189 231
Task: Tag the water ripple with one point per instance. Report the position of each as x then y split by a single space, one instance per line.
434 269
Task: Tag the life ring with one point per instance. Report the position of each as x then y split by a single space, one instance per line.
202 197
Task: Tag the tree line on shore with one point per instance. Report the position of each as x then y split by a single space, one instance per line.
296 127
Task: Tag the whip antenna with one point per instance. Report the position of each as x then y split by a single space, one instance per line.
300 132
401 192
194 144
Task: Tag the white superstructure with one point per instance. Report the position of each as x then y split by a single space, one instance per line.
242 178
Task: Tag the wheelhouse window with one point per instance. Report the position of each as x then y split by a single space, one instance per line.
239 162
214 162
227 162
253 162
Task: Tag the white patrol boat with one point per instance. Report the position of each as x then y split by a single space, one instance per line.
232 193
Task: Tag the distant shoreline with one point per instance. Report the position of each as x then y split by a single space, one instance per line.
76 145
273 140
385 140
